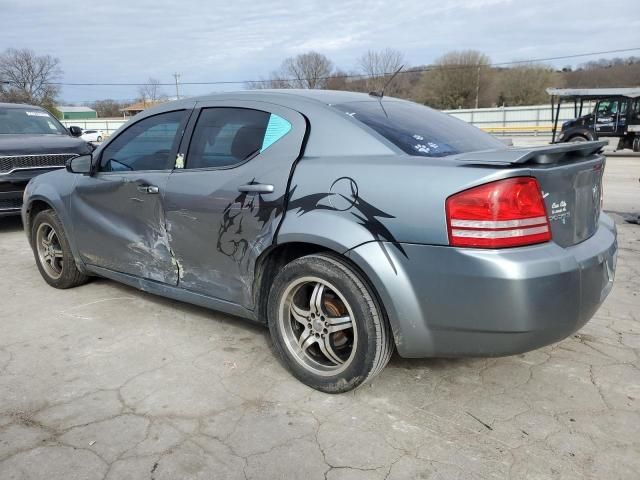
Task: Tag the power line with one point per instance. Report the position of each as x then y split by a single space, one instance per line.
361 75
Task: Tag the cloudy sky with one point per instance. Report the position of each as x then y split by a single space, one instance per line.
130 40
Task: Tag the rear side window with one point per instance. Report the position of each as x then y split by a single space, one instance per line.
226 136
420 130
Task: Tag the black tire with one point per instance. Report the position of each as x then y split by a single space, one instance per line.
99 139
578 138
344 292
62 271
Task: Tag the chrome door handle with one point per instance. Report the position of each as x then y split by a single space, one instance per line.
256 188
148 189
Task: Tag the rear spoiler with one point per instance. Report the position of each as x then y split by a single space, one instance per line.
541 155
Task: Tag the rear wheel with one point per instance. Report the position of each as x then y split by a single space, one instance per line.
326 324
99 139
52 252
578 138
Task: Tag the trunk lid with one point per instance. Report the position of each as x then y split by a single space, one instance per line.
570 177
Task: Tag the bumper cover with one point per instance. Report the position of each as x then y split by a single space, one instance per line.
445 301
12 187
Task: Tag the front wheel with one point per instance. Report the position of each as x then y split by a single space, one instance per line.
326 324
53 253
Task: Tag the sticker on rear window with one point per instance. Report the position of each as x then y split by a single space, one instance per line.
277 128
37 114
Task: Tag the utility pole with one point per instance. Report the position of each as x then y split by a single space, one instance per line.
177 76
478 86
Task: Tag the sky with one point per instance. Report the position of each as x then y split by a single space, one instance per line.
131 40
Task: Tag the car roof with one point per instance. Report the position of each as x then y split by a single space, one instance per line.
19 105
297 99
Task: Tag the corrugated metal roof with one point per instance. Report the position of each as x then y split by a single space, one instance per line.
71 109
595 92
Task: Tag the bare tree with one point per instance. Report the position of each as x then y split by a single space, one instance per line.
307 70
379 65
525 84
458 80
107 108
151 91
275 80
29 78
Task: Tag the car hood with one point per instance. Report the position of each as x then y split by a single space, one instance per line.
41 144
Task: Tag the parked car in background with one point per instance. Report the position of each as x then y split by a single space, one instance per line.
32 141
349 224
92 135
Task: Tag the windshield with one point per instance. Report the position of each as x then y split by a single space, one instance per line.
29 121
420 130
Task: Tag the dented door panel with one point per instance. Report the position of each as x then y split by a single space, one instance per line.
119 225
217 232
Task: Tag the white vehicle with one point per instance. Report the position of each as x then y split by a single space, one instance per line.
92 135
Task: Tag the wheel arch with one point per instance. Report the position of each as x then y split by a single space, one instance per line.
34 207
279 255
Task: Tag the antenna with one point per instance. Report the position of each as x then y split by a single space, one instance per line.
380 94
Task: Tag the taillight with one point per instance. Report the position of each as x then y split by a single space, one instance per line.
506 213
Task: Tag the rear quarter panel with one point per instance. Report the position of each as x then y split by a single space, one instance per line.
342 202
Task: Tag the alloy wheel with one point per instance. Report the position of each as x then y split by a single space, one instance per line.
49 250
318 326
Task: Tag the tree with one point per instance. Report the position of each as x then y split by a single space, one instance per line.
306 70
458 80
28 78
151 91
378 67
107 108
525 85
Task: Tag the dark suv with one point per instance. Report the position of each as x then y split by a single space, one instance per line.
32 141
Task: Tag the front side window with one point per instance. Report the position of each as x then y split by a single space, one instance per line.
226 136
607 108
29 121
419 130
146 145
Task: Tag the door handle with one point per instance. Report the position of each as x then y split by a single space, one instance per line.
148 189
256 188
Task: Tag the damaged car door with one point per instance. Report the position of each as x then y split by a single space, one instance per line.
224 205
118 211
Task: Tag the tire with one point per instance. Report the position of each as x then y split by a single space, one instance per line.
578 139
327 325
52 252
99 139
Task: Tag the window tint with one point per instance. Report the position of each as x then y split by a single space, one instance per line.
228 136
29 121
419 130
146 145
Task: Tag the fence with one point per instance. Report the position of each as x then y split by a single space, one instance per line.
107 125
535 119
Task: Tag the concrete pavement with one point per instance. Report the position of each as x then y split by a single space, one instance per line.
106 382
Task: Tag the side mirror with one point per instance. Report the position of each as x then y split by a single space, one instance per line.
80 164
75 131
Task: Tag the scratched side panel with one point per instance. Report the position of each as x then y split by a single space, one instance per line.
121 228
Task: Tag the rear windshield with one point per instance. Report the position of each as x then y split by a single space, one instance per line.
29 121
420 130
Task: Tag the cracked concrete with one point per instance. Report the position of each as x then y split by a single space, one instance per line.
105 382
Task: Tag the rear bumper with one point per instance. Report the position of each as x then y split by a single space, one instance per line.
445 301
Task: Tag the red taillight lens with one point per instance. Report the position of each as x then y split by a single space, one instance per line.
506 213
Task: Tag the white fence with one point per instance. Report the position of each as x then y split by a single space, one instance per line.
533 119
107 125
525 119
